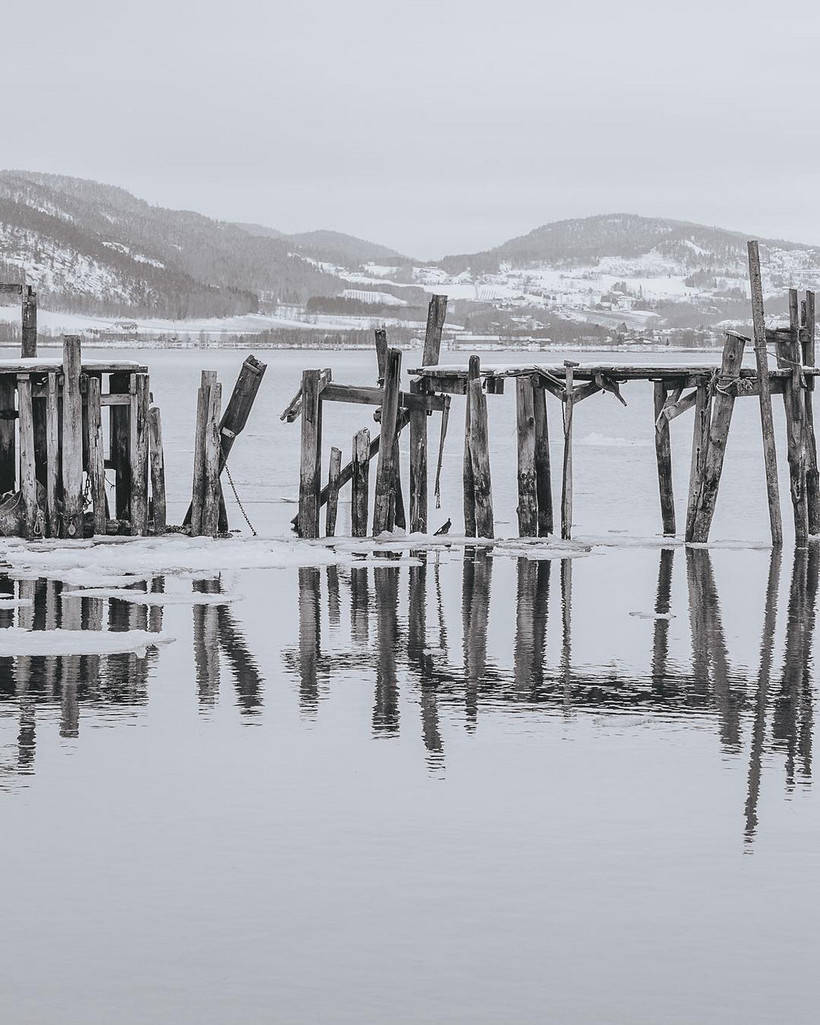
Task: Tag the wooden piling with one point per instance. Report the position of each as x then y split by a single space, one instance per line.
467 482
381 352
480 452
809 360
360 482
210 463
310 470
543 477
566 482
28 477
384 509
157 459
120 443
663 455
525 429
53 456
29 333
700 445
140 398
722 406
72 444
96 454
333 491
399 515
795 411
418 464
207 380
436 314
764 393
8 446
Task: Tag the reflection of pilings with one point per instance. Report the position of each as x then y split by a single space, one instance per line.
70 619
309 637
660 640
477 578
532 602
793 714
386 707
442 619
709 643
763 678
206 643
419 656
334 605
243 664
155 611
566 632
359 606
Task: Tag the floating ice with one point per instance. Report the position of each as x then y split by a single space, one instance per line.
154 598
14 641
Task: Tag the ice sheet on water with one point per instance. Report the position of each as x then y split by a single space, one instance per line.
153 598
14 641
15 603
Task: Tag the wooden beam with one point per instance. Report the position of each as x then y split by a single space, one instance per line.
436 314
809 318
543 473
467 482
700 445
211 458
566 482
206 380
53 458
310 483
374 397
8 444
120 441
663 456
418 464
28 478
138 427
795 411
480 453
360 479
672 409
384 510
96 456
72 451
525 432
333 491
157 458
29 332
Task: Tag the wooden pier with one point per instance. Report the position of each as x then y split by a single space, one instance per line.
708 392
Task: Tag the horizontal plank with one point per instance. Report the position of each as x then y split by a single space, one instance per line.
375 396
38 365
451 378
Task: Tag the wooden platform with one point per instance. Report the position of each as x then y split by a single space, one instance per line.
47 364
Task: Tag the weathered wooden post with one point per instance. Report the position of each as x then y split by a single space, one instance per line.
8 446
119 445
53 461
480 452
360 481
28 477
210 474
543 474
384 502
140 399
333 491
795 410
566 483
157 458
96 453
72 438
436 313
207 380
310 483
663 456
809 318
764 392
467 481
525 425
722 406
29 333
700 445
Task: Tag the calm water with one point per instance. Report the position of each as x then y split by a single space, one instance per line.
479 789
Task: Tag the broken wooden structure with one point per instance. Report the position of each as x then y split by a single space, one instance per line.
55 447
709 391
28 315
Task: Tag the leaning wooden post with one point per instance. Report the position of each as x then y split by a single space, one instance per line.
764 392
207 380
310 470
157 458
700 445
809 360
8 461
140 398
663 456
525 429
29 334
96 454
384 503
333 491
480 452
543 475
436 314
52 455
722 406
28 478
360 481
210 475
795 410
566 484
72 438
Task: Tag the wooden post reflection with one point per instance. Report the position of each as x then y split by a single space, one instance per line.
532 601
206 643
419 656
244 666
660 640
359 606
310 618
386 706
566 632
477 579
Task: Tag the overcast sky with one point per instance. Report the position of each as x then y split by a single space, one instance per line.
432 128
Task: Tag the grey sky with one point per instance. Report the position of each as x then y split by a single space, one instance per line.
430 127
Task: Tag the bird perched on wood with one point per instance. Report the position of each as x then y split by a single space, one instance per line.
444 528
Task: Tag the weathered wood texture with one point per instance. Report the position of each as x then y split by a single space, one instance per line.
96 455
310 469
467 482
333 491
384 508
480 453
418 467
663 457
809 318
436 315
28 478
72 440
140 399
29 327
766 418
789 351
566 480
207 380
157 459
722 406
525 430
360 482
120 444
211 459
543 474
8 444
53 474
700 445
